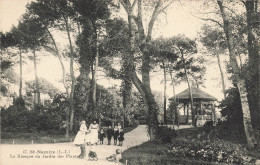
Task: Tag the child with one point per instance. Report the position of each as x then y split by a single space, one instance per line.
109 134
121 137
115 157
101 136
92 155
116 133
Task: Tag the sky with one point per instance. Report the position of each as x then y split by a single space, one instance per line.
177 20
10 11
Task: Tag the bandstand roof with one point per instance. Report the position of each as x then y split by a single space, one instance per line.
198 95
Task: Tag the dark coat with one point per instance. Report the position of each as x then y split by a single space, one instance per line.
110 133
121 136
101 135
116 134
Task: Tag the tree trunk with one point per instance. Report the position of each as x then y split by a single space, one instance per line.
164 95
99 107
144 86
1 56
37 97
126 88
190 88
61 63
188 113
214 114
238 79
253 52
184 111
63 80
86 62
222 76
176 114
150 104
148 96
94 77
67 128
251 141
21 74
71 75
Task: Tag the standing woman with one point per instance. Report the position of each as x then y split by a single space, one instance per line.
94 128
80 139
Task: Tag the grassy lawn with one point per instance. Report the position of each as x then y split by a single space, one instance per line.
38 138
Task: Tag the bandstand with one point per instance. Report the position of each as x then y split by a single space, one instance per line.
203 107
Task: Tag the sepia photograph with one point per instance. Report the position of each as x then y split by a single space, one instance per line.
129 82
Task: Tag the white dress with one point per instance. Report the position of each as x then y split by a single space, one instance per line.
80 137
93 128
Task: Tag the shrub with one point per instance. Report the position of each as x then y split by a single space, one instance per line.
166 134
40 119
217 150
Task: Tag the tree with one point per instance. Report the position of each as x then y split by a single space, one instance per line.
162 54
5 63
45 87
55 15
34 36
215 43
92 17
253 33
48 17
8 76
14 40
239 80
62 14
142 42
189 63
114 46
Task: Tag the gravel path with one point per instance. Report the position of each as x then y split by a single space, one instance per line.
66 153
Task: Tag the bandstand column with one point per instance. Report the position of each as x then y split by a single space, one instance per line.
214 114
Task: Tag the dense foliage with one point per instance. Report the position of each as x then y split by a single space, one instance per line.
217 150
43 119
166 134
51 118
232 124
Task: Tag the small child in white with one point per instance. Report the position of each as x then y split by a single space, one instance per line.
115 157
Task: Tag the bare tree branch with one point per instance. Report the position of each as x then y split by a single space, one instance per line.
133 4
209 19
166 6
124 5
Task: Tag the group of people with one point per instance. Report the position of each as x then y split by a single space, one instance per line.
95 134
117 133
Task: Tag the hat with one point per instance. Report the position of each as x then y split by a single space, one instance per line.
83 121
